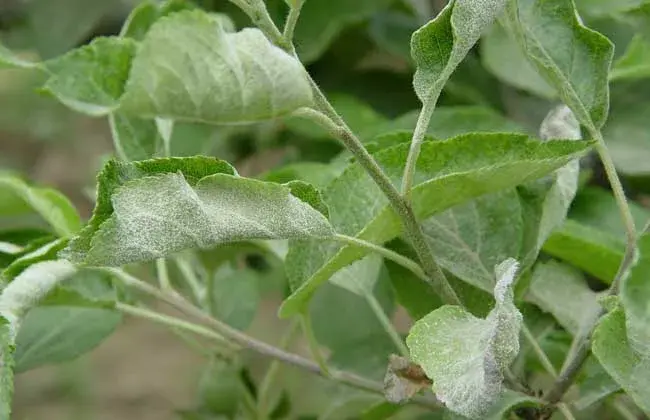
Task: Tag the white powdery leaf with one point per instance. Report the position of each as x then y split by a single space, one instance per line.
29 287
466 356
560 123
158 215
189 68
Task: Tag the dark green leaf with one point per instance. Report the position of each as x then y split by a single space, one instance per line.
449 172
189 68
221 389
465 356
572 58
147 13
321 21
91 79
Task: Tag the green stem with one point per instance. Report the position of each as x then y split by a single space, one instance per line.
419 133
387 324
266 386
435 277
405 262
198 290
292 19
172 322
241 339
163 275
314 347
580 347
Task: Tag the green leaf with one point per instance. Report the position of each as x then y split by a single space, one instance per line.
56 334
562 291
361 276
593 238
465 356
635 63
188 68
156 215
141 18
235 296
634 297
626 134
321 21
510 401
610 345
46 252
17 197
601 8
449 172
135 138
440 45
316 173
91 79
6 368
451 121
501 55
573 59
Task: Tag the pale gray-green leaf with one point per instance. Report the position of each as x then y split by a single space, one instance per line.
465 356
573 59
157 215
189 68
562 291
611 346
52 206
91 79
440 45
359 277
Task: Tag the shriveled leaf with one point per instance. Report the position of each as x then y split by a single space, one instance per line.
235 296
154 216
611 346
18 198
449 172
573 59
635 63
465 356
440 45
562 291
403 380
135 138
6 368
321 21
188 68
91 79
501 55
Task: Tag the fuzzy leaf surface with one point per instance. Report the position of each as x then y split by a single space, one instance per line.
188 68
465 356
440 45
91 79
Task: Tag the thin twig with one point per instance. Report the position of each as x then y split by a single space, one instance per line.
163 275
434 275
405 262
292 19
387 324
241 339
